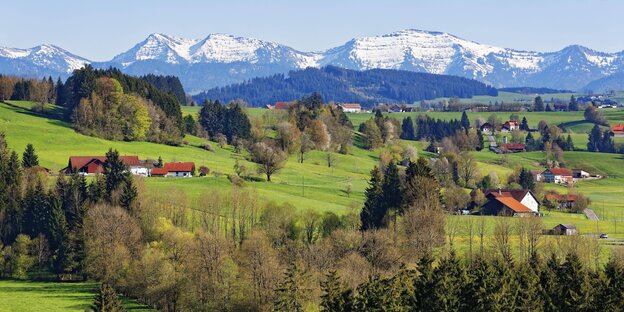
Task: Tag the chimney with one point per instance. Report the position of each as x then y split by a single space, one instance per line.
499 191
505 140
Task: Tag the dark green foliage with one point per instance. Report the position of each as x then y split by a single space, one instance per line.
337 296
573 105
575 286
36 210
448 283
407 129
373 213
368 87
372 295
524 125
21 91
548 108
106 300
600 141
290 294
29 158
10 193
167 84
115 171
420 186
190 126
392 195
129 194
611 294
432 129
538 104
465 122
229 121
531 144
526 179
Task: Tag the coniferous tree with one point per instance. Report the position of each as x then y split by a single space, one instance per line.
373 212
29 158
526 180
129 194
106 300
548 108
573 105
524 125
392 195
115 171
608 145
551 289
569 143
36 210
529 142
611 294
577 291
372 295
481 286
448 284
538 104
337 295
407 129
595 139
465 122
289 296
160 163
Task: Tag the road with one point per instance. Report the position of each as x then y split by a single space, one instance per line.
493 144
591 215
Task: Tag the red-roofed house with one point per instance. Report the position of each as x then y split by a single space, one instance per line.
618 130
558 175
564 201
513 148
176 169
90 165
351 108
282 105
510 126
510 203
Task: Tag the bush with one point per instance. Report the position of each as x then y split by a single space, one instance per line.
208 147
204 171
236 180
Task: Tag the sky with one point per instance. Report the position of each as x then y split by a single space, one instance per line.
99 30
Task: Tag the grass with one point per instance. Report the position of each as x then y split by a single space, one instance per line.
26 296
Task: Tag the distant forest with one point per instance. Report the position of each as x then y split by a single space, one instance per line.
368 88
533 90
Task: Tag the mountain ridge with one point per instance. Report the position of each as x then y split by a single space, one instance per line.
222 59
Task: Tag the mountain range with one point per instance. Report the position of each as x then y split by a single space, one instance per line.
220 59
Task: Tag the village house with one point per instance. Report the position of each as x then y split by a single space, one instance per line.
558 175
516 203
537 175
509 126
486 128
617 130
563 201
91 165
580 174
513 148
395 109
564 229
176 169
351 108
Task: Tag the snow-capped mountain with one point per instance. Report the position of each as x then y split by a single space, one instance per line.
42 60
220 59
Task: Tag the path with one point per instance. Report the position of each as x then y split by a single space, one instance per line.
493 144
591 215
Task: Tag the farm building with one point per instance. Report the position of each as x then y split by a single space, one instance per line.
537 175
618 130
486 128
510 203
558 175
513 148
176 169
351 108
511 125
90 165
563 201
564 229
580 174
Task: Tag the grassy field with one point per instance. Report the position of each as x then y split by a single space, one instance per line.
27 296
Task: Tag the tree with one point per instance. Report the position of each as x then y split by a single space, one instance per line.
524 125
581 203
456 198
190 126
269 159
407 129
392 195
465 122
115 171
538 104
526 179
336 295
29 158
548 108
467 168
106 300
373 213
129 195
372 134
290 294
594 142
573 105
305 145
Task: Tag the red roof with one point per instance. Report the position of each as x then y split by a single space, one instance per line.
77 162
561 171
179 167
512 146
282 105
513 204
517 194
618 129
159 171
351 105
560 198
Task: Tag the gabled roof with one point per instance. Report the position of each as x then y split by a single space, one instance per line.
560 197
486 125
516 194
513 204
159 171
351 105
560 171
179 167
618 127
513 146
282 105
78 162
566 226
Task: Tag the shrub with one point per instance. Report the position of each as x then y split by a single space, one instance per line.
204 171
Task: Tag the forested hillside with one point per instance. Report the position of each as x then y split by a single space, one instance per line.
368 87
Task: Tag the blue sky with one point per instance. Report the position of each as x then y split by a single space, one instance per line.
98 30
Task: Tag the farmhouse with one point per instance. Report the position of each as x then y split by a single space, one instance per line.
558 175
176 169
563 201
395 109
513 148
486 128
90 165
618 130
351 108
517 203
283 105
537 175
580 174
511 125
564 229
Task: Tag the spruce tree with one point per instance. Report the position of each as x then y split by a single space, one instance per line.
577 291
548 108
448 284
115 171
465 122
106 300
612 290
392 192
529 142
30 158
569 143
289 296
36 210
129 194
524 125
372 295
551 289
573 105
407 129
526 179
595 139
337 296
373 211
538 104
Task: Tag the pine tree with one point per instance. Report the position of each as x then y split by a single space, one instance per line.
482 286
612 290
129 194
371 296
595 139
337 296
551 289
526 180
373 212
465 122
524 125
569 143
608 145
392 195
115 171
448 284
538 104
106 300
529 142
30 158
160 162
36 210
423 285
548 108
573 105
289 296
407 129
577 291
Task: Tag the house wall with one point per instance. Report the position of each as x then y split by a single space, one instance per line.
179 174
530 202
139 171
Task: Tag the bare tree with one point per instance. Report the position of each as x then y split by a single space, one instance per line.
269 159
500 240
